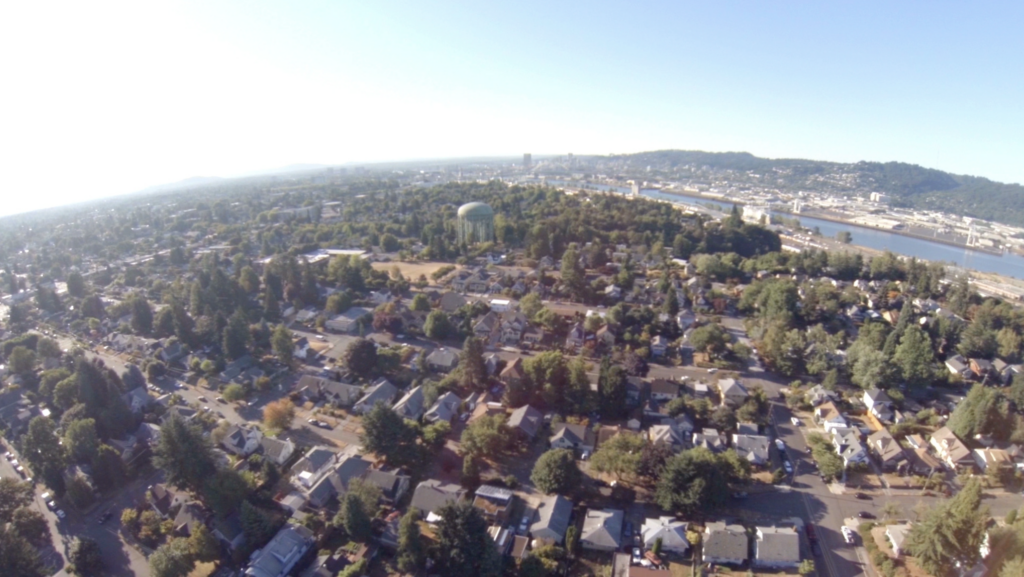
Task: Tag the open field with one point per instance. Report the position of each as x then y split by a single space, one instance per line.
410 270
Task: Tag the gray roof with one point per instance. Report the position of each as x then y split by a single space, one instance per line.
315 459
274 448
753 448
443 358
445 408
279 556
553 514
432 494
526 419
602 527
388 482
382 391
723 541
410 406
778 545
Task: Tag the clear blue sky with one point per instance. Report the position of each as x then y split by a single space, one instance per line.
107 98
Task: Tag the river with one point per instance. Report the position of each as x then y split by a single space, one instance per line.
1009 264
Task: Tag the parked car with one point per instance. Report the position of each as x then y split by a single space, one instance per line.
861 496
795 421
638 555
104 517
60 513
524 525
866 515
712 370
221 400
203 399
788 467
780 445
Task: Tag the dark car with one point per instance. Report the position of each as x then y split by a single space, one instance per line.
862 496
866 515
627 529
104 517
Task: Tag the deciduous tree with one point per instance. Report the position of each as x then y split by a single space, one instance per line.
556 472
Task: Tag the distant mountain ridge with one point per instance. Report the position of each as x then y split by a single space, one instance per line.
909 185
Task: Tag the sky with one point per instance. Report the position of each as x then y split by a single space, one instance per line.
104 98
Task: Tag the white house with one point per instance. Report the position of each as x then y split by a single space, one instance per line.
671 532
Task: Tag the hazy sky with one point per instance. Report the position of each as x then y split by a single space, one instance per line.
103 98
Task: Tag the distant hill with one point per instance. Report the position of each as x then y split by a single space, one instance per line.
909 185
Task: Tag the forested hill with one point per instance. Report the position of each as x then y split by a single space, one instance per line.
910 186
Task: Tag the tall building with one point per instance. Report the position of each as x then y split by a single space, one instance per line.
527 160
475 223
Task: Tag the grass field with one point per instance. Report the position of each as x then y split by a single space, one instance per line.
411 270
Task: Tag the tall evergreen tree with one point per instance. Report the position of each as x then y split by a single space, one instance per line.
464 548
184 454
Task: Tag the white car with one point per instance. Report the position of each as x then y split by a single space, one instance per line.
795 421
712 371
638 555
787 466
847 534
780 445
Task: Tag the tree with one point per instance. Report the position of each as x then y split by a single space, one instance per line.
108 469
464 549
234 392
530 305
65 393
472 372
257 525
80 493
611 386
354 518
13 495
556 472
172 559
485 437
361 357
31 525
634 364
872 370
225 490
17 556
914 357
619 456
984 411
236 336
357 569
437 326
42 449
81 441
48 349
710 339
85 559
142 315
411 552
807 565
420 303
184 454
573 275
281 341
76 284
694 482
1012 568
951 533
385 433
279 414
22 360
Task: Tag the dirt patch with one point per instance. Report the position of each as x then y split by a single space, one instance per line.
410 270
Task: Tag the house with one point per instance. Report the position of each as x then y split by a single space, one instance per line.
503 538
709 439
512 326
605 336
164 500
229 531
410 406
494 503
431 495
189 516
733 393
571 436
987 458
533 335
776 547
685 319
552 518
242 441
526 421
336 482
313 466
747 428
602 530
670 435
957 365
442 360
138 399
981 367
348 321
853 452
828 416
951 450
303 350
276 450
923 463
753 448
392 485
725 544
451 302
664 390
487 326
879 404
897 535
513 373
671 532
318 388
576 338
887 451
1006 371
278 557
659 345
381 391
818 394
445 408
635 390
